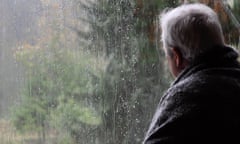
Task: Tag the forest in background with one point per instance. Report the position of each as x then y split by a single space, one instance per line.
86 71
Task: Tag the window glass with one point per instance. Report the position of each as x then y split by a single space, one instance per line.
86 71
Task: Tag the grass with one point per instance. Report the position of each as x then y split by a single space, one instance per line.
9 135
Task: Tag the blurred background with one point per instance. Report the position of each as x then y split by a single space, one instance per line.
86 71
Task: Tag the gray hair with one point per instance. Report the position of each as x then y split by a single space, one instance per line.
192 28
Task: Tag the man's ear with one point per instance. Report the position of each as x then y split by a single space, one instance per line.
177 57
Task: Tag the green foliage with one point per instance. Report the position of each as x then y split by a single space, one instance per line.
74 119
236 9
123 31
88 98
62 89
27 117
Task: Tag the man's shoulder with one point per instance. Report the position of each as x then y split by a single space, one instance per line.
208 76
206 83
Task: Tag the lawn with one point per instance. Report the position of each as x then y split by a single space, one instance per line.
9 135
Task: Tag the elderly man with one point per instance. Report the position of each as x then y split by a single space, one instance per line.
203 103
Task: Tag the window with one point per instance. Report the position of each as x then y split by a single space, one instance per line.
85 71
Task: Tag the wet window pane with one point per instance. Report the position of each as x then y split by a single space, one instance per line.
86 71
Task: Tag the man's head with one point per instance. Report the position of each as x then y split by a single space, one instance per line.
189 31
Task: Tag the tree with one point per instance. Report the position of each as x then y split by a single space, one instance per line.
124 31
61 88
61 92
